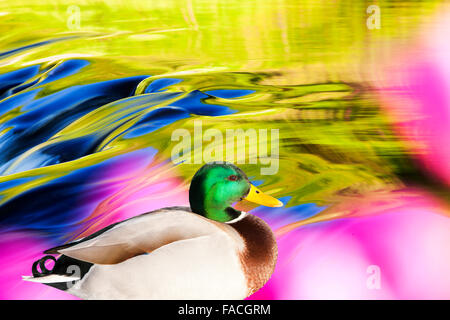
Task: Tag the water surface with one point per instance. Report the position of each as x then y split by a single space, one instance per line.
87 110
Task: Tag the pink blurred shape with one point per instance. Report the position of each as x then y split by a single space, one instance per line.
415 89
404 249
18 251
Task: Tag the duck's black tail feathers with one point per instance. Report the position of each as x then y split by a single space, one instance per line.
41 262
63 275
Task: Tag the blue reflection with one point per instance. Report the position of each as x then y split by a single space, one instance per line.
229 94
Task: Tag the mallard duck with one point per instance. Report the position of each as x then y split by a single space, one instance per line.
210 251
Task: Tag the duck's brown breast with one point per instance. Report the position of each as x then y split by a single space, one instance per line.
260 254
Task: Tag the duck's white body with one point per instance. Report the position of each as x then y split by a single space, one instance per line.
173 253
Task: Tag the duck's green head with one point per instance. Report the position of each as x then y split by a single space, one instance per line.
217 185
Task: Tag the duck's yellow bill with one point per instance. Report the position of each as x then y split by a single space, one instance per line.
257 196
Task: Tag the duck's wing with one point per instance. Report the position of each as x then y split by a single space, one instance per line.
138 235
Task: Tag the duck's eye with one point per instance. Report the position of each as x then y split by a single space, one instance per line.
233 177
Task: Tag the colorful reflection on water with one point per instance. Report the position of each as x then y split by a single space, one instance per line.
87 115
